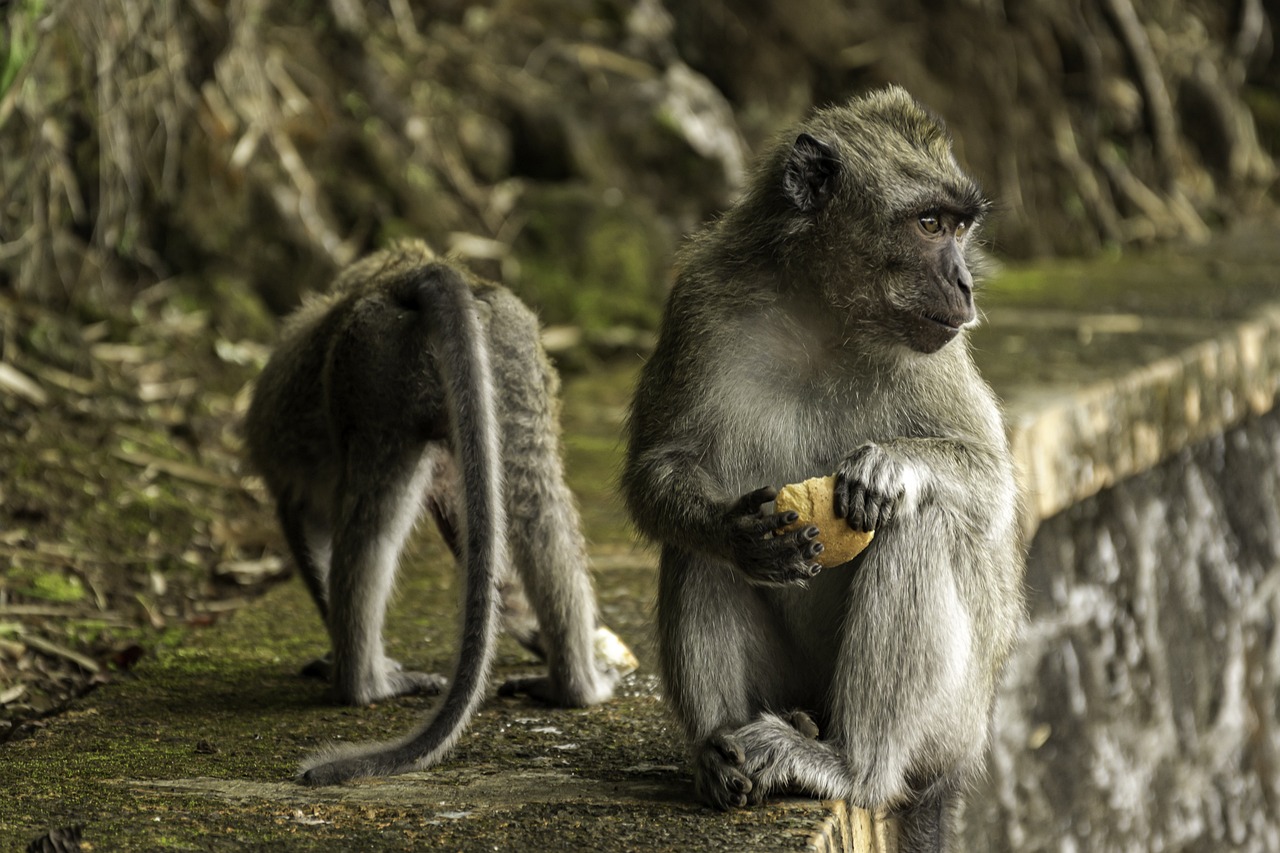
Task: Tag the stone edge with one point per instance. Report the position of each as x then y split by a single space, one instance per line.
1074 446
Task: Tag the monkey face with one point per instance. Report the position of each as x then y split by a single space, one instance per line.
880 215
940 303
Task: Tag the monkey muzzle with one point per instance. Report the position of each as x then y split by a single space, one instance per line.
930 331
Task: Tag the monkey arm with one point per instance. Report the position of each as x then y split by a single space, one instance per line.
677 502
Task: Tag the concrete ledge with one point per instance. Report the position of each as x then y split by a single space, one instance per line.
1107 369
1073 447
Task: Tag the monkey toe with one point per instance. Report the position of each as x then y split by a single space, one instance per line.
417 684
803 723
725 788
726 748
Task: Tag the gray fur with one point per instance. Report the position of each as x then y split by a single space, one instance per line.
412 387
796 342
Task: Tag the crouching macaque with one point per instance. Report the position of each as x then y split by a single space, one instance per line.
412 386
819 328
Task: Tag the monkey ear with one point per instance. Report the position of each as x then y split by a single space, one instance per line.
809 176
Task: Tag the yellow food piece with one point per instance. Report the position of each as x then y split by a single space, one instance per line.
814 501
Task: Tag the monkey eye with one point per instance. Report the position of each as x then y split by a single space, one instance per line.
930 224
962 227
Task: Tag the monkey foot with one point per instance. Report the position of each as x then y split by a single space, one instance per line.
403 683
399 682
321 668
545 689
718 773
539 687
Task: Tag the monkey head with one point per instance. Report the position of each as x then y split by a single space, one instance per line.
879 218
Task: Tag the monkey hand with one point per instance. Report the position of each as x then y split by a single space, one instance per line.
872 486
765 556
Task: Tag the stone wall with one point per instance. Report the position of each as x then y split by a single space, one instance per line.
1141 709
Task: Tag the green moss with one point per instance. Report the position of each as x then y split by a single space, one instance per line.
44 583
21 43
589 259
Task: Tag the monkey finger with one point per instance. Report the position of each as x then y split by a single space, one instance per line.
872 511
840 494
757 528
750 503
858 498
888 508
796 545
795 539
777 521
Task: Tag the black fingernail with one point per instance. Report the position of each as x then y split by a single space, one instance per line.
810 532
814 569
818 547
792 517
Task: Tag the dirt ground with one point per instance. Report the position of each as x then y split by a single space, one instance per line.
124 512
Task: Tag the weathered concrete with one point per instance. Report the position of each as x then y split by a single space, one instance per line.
1108 370
1140 710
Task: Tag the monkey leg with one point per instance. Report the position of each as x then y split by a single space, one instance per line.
910 696
927 822
549 555
723 660
545 532
310 544
517 617
373 522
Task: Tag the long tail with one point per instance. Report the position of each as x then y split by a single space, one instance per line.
460 345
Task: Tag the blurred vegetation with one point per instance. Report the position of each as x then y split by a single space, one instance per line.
565 146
